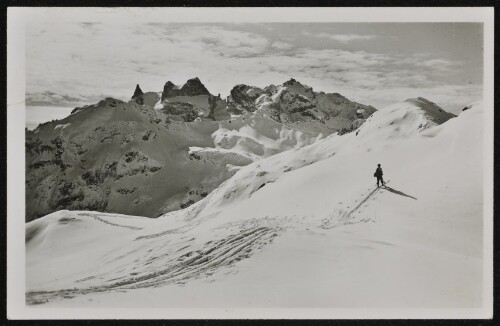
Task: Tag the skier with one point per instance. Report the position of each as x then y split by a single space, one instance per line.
378 174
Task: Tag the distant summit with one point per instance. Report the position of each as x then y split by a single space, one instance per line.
192 87
138 91
299 107
190 102
242 99
138 95
169 90
290 82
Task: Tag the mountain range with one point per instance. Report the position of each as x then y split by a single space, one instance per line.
163 151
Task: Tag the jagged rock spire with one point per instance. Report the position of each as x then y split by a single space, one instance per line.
168 90
138 92
192 87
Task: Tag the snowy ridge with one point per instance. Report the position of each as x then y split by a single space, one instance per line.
402 120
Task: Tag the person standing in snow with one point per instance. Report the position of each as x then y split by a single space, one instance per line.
379 174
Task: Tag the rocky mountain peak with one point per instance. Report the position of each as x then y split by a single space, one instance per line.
194 80
138 92
169 84
192 87
168 90
290 82
297 87
242 99
298 106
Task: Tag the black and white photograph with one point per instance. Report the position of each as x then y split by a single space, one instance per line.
250 163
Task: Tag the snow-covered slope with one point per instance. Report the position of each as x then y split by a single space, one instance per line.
400 121
302 228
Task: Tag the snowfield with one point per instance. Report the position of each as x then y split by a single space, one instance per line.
304 228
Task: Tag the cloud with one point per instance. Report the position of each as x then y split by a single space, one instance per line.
48 98
343 38
74 59
282 45
84 61
450 97
216 39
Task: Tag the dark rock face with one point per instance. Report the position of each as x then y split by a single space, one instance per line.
98 157
291 82
186 111
242 99
354 125
168 90
78 109
299 107
212 103
192 101
192 87
467 107
138 95
138 91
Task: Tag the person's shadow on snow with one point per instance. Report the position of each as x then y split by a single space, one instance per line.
397 192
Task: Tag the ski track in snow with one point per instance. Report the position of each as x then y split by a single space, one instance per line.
100 219
189 263
343 217
365 200
157 235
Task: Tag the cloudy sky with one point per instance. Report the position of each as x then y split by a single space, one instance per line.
70 64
